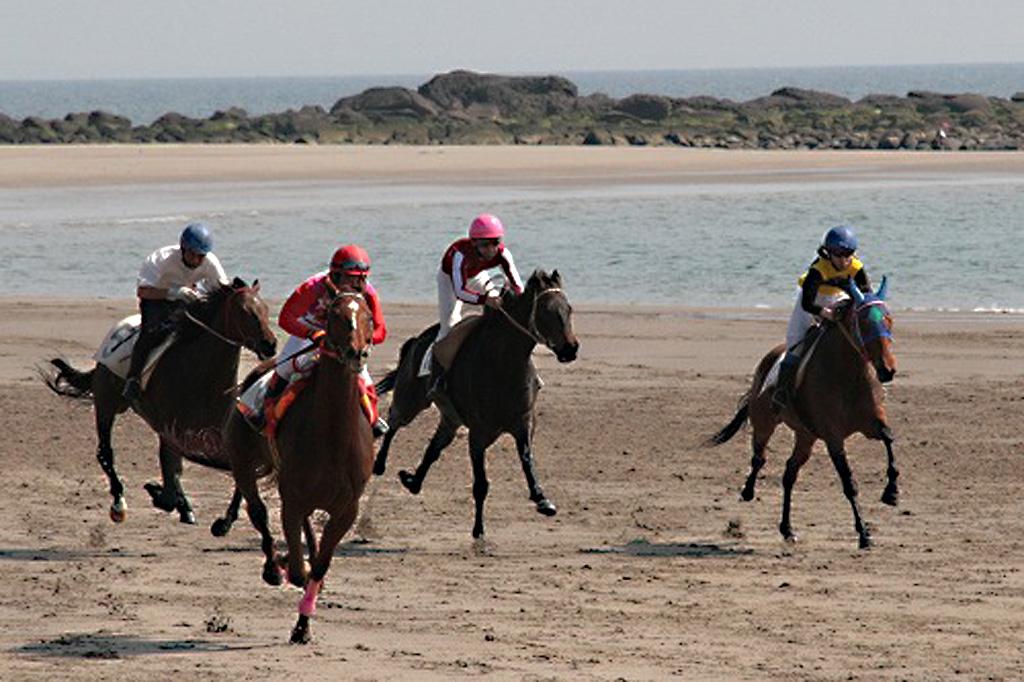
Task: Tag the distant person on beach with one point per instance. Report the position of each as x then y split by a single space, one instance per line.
464 277
304 316
167 282
822 287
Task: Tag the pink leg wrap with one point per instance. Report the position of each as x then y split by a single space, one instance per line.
307 605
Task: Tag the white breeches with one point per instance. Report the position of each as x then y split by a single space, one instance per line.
801 320
304 363
449 308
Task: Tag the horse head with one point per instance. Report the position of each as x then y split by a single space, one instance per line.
244 318
349 329
873 327
551 314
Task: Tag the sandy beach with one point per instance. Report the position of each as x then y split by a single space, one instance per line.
43 166
652 568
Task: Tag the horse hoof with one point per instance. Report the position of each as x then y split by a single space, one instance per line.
545 507
272 574
156 493
891 497
409 481
379 468
118 515
747 494
300 634
865 542
478 532
187 517
220 528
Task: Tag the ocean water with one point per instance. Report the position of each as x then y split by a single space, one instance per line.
145 100
947 242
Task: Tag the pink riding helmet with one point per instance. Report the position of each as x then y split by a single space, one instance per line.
486 226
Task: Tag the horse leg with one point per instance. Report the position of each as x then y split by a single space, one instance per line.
381 462
292 520
245 484
801 453
311 543
334 530
105 456
891 494
523 445
170 496
221 526
444 435
480 485
756 462
838 455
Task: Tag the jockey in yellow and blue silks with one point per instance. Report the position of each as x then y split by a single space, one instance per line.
822 287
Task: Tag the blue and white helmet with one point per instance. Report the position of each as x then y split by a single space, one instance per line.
196 237
840 238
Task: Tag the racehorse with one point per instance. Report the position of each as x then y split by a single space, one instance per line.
187 396
491 386
321 455
840 394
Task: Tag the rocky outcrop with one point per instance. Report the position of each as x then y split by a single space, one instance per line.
463 107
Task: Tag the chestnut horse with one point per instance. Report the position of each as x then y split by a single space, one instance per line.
186 397
492 385
322 455
840 394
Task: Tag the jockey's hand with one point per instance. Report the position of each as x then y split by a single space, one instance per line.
828 312
183 294
318 337
493 302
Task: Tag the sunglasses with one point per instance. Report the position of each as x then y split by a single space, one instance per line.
841 253
488 242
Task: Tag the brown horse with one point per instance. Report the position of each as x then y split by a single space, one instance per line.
187 396
322 455
841 393
492 385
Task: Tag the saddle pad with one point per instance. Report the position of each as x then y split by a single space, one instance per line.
115 352
772 378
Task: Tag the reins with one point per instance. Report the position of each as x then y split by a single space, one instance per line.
532 320
860 344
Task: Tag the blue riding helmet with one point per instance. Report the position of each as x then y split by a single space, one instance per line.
197 238
840 238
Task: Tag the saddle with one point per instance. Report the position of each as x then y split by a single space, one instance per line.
804 349
115 351
447 348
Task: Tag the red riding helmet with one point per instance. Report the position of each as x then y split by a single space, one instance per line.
351 259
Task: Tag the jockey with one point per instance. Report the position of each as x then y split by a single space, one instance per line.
304 316
167 282
822 288
463 277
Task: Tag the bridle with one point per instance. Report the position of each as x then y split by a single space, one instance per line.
531 330
856 339
328 349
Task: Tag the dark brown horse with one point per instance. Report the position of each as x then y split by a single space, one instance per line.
840 394
187 396
322 455
491 387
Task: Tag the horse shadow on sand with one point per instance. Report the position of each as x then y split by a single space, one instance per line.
688 550
109 645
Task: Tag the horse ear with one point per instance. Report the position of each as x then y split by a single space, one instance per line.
556 278
255 286
855 293
238 283
883 288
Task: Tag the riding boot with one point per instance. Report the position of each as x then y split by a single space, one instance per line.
784 384
438 383
258 419
144 345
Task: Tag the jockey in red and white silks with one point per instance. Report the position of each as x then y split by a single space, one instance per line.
304 316
464 276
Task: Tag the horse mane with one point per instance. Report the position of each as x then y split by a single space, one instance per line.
204 308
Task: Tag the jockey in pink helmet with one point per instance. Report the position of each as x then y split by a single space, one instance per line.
466 271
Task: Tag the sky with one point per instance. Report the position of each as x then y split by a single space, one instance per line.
71 39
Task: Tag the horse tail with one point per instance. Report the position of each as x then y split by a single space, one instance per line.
738 420
68 381
391 378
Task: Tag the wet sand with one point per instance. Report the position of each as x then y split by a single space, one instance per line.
652 568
